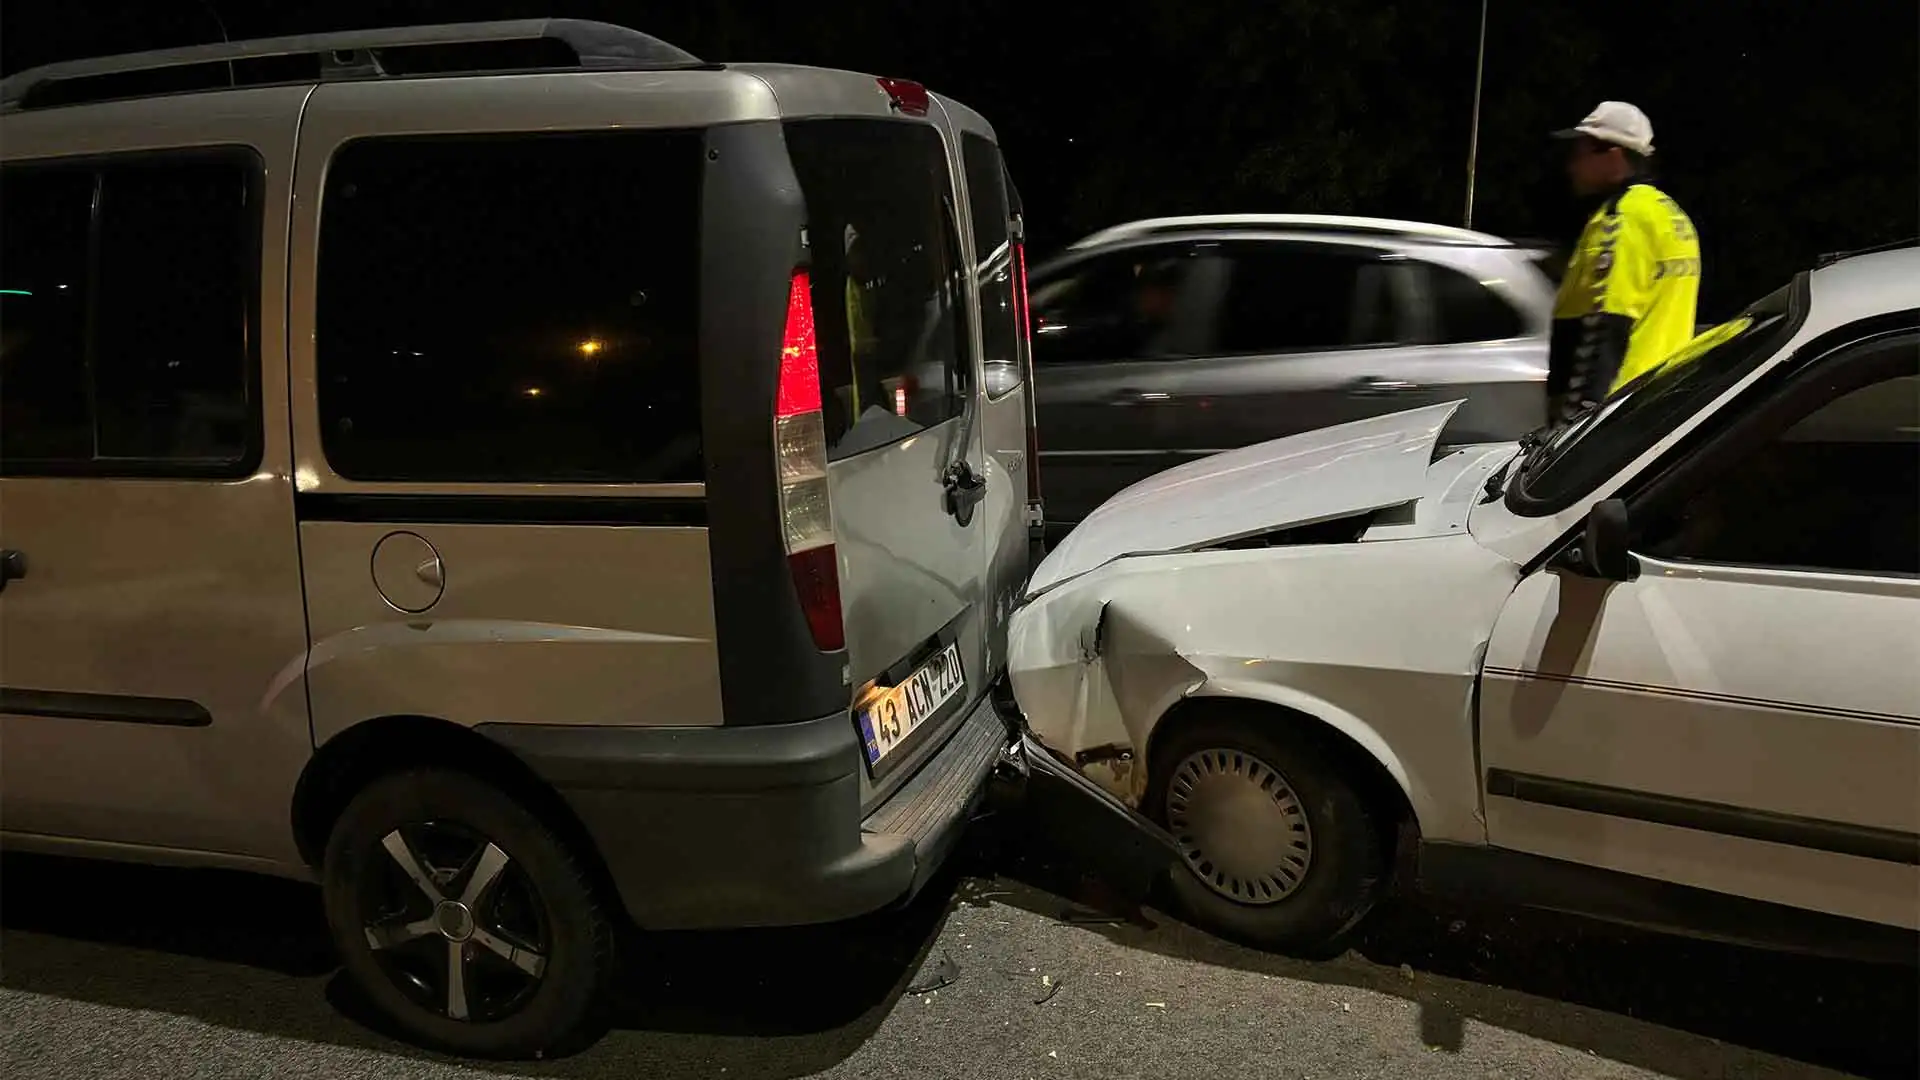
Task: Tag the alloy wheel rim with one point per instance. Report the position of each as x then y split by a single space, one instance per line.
454 922
1240 826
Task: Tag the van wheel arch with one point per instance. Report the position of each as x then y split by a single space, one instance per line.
372 749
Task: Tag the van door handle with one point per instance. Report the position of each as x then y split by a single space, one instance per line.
13 564
964 490
1377 387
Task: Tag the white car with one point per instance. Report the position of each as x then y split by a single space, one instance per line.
1662 667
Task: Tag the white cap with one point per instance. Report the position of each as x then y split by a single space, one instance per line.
1618 123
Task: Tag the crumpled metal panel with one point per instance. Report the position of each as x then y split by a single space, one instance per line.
1382 641
1315 476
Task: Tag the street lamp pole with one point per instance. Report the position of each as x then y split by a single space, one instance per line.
1473 140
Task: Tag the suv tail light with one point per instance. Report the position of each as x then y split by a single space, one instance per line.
800 461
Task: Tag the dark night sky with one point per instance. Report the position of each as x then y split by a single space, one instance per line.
1787 128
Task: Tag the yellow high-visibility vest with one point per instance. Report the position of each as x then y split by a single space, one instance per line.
1639 256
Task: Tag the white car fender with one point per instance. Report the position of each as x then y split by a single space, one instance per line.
1346 723
1381 642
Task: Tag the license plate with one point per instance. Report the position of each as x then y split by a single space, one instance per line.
890 716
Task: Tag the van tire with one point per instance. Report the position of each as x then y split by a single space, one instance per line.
1350 852
542 908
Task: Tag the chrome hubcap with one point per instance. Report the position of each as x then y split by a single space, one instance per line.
453 920
465 937
1240 826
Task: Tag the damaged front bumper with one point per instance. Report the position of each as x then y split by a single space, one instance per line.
1062 809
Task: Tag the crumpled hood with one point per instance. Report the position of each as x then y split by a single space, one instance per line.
1316 476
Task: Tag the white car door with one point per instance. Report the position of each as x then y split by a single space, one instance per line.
1744 715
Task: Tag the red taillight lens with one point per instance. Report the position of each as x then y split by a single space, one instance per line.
799 353
800 463
1020 291
907 96
816 578
1026 358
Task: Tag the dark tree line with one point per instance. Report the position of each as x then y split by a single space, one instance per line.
1787 128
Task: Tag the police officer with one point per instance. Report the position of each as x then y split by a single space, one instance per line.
1627 298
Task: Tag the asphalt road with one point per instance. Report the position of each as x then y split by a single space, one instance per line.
112 971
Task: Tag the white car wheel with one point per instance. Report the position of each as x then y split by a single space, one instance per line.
1240 826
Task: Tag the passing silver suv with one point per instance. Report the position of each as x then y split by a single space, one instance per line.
1165 340
511 473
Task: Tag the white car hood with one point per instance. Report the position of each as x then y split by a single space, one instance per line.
1299 480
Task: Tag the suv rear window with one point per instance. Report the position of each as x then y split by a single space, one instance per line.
518 308
887 290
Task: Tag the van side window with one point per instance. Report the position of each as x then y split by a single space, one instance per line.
518 308
887 290
128 321
993 250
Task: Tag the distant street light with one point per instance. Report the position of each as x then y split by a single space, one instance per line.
1473 140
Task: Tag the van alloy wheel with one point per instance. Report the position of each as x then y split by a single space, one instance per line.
454 923
465 919
1240 826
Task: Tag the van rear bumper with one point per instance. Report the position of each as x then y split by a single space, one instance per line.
756 826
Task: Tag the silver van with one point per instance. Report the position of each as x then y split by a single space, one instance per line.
518 475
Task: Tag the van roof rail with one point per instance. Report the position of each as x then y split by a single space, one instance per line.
350 55
1325 223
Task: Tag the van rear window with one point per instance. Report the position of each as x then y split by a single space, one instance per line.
516 308
887 291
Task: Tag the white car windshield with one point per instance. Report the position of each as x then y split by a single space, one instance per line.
1606 439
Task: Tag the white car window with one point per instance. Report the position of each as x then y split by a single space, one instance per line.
1884 412
1596 447
1833 492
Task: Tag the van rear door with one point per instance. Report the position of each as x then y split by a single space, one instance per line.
887 275
1006 409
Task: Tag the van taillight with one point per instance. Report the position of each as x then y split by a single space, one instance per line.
906 95
1026 358
800 461
1020 296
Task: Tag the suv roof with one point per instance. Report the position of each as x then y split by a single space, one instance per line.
1332 224
462 48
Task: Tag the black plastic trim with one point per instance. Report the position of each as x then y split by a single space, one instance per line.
1839 838
665 511
723 826
1481 874
703 759
752 220
110 708
1709 696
